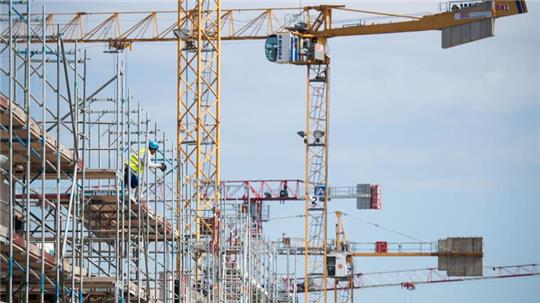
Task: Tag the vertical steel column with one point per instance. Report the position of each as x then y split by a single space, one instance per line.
26 191
10 168
165 239
124 146
119 185
75 190
84 138
129 197
174 219
58 208
156 230
43 155
295 292
146 235
142 186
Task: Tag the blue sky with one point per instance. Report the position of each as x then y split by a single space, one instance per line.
453 136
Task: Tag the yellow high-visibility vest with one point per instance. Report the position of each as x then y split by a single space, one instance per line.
135 161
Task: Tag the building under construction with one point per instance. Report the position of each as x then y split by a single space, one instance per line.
72 230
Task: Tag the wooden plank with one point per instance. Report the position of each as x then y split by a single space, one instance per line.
19 148
90 174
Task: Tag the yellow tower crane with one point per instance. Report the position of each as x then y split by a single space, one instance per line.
305 43
199 28
198 142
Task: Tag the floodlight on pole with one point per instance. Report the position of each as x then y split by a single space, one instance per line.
318 134
180 34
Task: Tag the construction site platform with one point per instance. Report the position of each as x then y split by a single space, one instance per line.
100 215
20 120
20 248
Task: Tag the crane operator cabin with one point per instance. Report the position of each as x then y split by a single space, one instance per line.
294 48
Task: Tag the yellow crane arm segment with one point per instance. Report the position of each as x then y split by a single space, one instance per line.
456 16
124 28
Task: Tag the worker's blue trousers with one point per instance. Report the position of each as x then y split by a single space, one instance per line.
134 179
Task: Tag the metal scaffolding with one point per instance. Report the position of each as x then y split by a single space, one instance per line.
70 230
249 260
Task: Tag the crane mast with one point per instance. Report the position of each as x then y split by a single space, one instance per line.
198 143
316 142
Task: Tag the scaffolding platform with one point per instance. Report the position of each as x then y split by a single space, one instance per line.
20 119
99 289
89 174
20 248
102 207
95 288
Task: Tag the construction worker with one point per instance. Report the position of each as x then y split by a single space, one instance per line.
137 163
283 193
